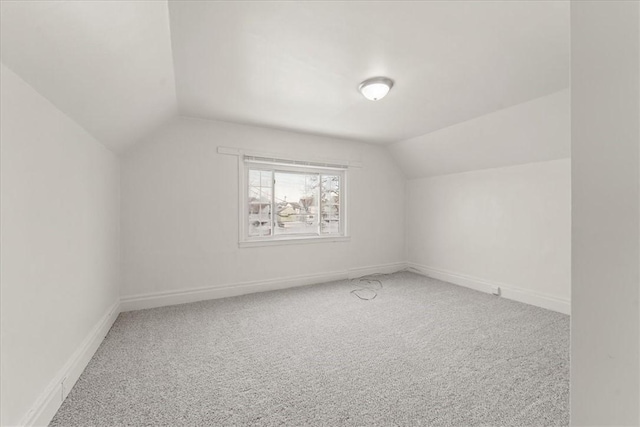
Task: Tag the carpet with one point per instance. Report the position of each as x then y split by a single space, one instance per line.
420 352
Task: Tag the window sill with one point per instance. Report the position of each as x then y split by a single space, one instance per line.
293 241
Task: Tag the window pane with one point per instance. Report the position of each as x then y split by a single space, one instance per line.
296 200
260 188
330 196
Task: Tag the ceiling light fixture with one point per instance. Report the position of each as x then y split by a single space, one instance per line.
375 88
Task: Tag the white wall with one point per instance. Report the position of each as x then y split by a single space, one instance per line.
180 210
605 333
508 226
534 131
59 243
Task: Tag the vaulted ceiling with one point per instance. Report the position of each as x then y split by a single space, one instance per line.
107 65
121 68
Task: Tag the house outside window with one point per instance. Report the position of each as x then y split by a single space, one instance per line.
287 201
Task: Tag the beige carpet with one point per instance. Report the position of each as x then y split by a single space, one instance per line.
422 352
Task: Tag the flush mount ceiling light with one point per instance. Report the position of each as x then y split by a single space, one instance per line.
375 88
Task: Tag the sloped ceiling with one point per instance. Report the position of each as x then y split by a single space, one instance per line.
106 64
294 65
297 65
533 131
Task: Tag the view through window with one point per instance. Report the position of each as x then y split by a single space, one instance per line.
293 202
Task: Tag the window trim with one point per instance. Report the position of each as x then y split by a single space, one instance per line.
245 163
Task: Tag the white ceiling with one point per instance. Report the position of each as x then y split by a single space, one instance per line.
297 65
534 131
106 64
110 65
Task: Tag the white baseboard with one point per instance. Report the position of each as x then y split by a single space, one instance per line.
44 409
46 406
161 299
393 267
514 293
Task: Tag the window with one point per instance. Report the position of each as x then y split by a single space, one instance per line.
289 201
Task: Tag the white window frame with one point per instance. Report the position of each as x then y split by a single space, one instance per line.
251 162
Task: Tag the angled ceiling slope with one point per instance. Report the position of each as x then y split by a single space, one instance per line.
107 64
297 65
